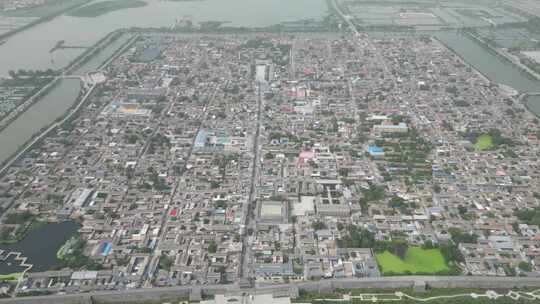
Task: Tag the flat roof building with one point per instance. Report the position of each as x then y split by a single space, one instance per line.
273 212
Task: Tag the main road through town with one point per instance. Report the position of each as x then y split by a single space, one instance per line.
246 263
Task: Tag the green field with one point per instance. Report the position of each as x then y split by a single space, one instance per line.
483 142
417 260
101 8
10 277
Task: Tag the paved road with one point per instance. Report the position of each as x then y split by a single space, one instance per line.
344 17
151 271
389 283
246 263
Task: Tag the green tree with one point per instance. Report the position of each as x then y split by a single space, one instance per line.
212 247
318 225
524 266
357 238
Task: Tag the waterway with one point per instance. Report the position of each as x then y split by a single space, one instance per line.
40 247
533 103
53 105
100 58
493 66
30 49
40 115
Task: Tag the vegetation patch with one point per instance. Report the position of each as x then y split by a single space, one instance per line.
416 260
72 255
529 216
396 257
25 222
484 142
10 277
491 140
406 157
101 8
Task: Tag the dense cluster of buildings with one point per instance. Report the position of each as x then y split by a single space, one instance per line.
228 158
12 96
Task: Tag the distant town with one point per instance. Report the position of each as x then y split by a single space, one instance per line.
262 159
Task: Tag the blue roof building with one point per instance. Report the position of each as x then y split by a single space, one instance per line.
374 150
200 140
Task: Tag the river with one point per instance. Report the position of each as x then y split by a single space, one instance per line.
100 58
493 66
40 247
40 115
30 49
489 63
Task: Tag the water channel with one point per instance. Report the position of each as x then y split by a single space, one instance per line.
97 60
40 115
30 49
490 64
493 66
53 105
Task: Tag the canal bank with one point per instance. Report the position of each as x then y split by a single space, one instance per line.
20 135
19 256
484 76
43 19
16 112
101 50
505 56
30 49
37 117
532 102
92 53
492 66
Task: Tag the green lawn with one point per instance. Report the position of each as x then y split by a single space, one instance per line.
483 142
416 260
10 277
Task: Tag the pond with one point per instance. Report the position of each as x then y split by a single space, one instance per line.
40 247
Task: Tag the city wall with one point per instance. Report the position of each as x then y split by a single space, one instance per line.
159 295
